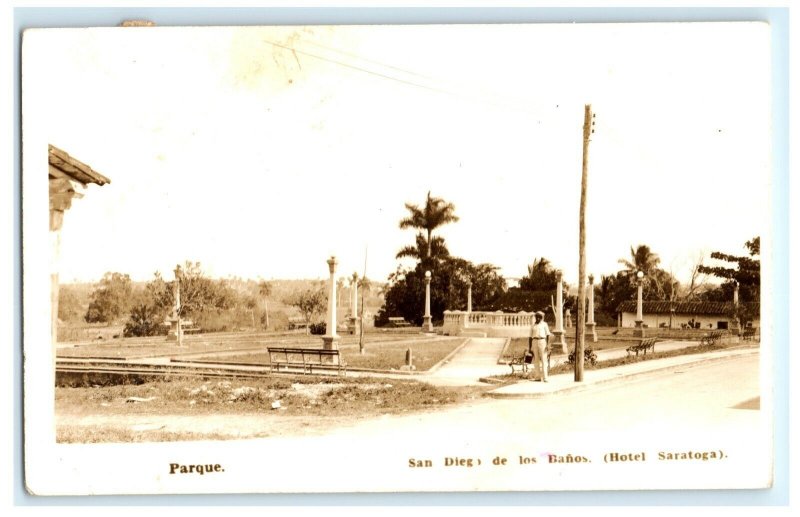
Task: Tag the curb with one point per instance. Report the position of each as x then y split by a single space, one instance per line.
618 378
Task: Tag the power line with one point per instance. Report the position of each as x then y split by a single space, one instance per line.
354 67
479 97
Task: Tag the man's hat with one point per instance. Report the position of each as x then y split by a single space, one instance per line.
539 313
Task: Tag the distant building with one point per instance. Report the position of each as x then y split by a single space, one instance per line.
709 315
65 175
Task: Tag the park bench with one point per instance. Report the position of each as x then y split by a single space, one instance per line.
712 337
643 346
519 362
297 323
305 359
749 334
398 321
191 330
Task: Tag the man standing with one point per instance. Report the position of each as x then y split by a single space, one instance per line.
540 342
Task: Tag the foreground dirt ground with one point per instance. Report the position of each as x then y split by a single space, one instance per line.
79 427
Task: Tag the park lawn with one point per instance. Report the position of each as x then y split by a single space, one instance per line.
133 351
137 348
378 355
107 414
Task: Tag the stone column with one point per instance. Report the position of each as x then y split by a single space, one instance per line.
330 341
469 296
590 325
559 344
176 329
354 318
639 330
427 324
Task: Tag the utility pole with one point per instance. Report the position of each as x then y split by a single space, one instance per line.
580 328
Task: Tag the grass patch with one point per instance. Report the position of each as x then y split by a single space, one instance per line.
378 354
387 356
137 348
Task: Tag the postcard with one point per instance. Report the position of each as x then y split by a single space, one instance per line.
397 258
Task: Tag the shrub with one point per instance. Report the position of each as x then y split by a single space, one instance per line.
589 356
145 320
318 329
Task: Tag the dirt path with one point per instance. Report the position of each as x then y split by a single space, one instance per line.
262 424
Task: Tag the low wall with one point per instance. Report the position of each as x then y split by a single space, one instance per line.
493 324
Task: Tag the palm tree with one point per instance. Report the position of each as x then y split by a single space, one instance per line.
435 213
541 276
366 286
642 259
265 290
423 252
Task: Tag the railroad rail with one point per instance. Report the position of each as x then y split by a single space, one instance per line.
87 372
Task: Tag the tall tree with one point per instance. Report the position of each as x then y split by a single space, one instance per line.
657 282
198 292
406 293
110 299
434 213
541 276
746 270
199 295
642 259
310 302
265 290
612 291
425 250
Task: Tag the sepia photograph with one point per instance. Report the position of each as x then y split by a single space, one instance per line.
397 258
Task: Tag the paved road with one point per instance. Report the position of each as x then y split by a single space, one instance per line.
700 395
701 407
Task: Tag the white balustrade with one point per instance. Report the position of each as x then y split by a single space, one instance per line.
492 322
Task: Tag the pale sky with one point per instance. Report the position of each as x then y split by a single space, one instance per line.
262 151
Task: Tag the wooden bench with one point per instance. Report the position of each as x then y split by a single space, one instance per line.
643 346
397 321
191 330
306 359
712 337
749 334
297 323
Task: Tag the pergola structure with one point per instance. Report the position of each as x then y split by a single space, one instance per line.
66 175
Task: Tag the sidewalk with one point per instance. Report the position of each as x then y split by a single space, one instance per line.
477 360
563 383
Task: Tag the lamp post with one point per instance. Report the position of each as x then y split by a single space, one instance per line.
427 325
354 320
590 325
735 320
469 296
330 341
559 344
639 330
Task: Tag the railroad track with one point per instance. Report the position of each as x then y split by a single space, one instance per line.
89 369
